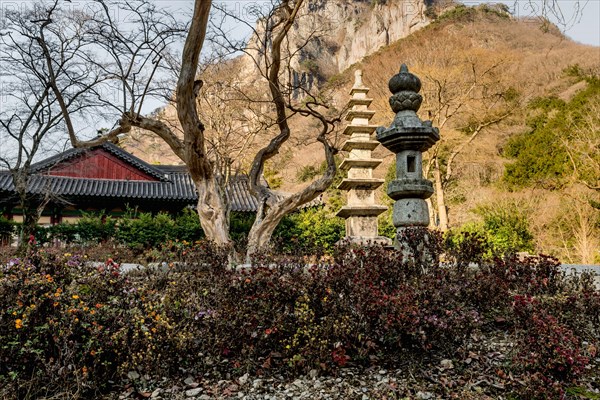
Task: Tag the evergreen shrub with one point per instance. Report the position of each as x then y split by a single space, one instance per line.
7 227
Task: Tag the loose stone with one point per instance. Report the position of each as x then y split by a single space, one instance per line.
193 392
243 379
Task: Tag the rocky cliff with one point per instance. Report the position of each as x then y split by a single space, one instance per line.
331 35
353 29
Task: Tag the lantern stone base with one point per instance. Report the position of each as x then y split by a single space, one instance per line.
410 212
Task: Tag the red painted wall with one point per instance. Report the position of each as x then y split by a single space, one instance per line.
99 164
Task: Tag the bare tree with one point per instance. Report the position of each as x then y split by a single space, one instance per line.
271 54
31 121
130 58
233 123
463 103
577 230
583 144
133 54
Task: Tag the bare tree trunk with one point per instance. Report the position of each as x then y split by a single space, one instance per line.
262 230
271 207
30 219
212 211
20 181
432 214
586 241
271 210
439 195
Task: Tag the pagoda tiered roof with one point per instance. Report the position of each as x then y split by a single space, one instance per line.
359 163
350 129
360 145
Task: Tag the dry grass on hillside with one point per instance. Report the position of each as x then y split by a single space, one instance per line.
523 58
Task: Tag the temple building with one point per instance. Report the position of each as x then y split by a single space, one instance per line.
109 179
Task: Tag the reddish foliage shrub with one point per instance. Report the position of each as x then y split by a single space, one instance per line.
530 275
68 325
549 353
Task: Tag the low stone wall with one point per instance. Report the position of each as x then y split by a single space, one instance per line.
129 268
578 269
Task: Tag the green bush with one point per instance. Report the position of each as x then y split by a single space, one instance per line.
504 229
66 233
96 228
309 231
145 230
187 226
239 226
135 230
385 225
551 151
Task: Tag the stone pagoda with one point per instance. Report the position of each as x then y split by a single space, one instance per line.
361 211
408 137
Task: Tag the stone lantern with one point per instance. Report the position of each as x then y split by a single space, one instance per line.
408 137
361 210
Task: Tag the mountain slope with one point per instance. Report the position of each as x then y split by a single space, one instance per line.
509 63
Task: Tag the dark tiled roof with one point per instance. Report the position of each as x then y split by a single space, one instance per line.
6 186
240 198
174 184
177 187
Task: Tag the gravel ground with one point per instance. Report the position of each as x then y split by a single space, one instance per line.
476 375
350 384
441 382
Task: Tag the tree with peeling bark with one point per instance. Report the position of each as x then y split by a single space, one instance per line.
122 65
233 123
133 53
271 56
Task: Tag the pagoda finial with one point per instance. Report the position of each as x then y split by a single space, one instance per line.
358 82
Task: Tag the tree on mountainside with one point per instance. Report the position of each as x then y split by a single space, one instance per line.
560 153
548 12
577 229
583 140
463 95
